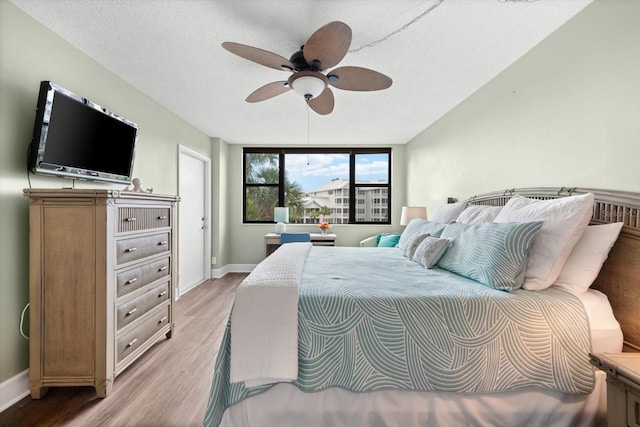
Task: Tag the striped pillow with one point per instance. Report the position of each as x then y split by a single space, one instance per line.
494 254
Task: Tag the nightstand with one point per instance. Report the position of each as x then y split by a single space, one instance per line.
272 241
623 387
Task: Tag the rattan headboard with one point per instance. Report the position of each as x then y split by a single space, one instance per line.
619 278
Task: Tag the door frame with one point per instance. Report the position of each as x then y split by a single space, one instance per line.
182 150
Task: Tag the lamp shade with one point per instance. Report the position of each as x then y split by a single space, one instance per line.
308 83
308 86
410 212
281 216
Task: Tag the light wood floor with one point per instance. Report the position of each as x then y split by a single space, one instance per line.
168 386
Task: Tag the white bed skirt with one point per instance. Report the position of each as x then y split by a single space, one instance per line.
286 406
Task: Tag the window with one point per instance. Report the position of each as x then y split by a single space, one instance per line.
314 184
261 186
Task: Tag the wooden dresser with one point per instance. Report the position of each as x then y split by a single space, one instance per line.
101 287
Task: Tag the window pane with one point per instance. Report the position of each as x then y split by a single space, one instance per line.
261 168
375 207
314 171
260 202
315 185
372 168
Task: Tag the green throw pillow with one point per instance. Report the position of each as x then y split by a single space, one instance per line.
388 240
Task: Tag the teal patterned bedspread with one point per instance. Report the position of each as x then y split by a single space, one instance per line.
371 319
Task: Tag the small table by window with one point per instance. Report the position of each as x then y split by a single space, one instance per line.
272 241
623 387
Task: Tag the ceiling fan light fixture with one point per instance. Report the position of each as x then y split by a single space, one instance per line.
308 84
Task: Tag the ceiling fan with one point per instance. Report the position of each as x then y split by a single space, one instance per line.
325 49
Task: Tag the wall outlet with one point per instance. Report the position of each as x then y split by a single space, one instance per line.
213 260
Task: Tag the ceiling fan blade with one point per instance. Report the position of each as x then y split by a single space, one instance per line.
260 56
268 91
328 45
323 103
358 78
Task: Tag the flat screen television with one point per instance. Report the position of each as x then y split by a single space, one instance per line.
74 137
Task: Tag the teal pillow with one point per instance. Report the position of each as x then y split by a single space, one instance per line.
433 229
388 240
423 226
494 254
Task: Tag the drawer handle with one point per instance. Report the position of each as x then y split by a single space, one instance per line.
163 293
161 217
131 249
130 281
163 268
129 313
133 341
162 242
162 320
131 219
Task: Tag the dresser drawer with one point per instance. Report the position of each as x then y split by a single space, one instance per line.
133 309
137 248
129 342
129 280
138 219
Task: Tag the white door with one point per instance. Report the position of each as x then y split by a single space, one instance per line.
194 236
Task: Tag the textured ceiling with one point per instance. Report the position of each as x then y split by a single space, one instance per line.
437 53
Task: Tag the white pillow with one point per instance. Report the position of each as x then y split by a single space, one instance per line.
478 214
447 213
564 222
587 257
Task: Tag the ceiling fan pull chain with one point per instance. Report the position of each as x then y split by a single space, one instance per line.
308 154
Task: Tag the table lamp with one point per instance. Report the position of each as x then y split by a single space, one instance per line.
410 212
280 216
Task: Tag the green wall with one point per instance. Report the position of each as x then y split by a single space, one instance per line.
565 114
219 205
30 53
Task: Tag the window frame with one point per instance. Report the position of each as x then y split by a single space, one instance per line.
353 185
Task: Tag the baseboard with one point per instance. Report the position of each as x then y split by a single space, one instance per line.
241 268
232 268
14 389
217 273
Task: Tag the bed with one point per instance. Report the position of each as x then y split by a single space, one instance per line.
314 344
